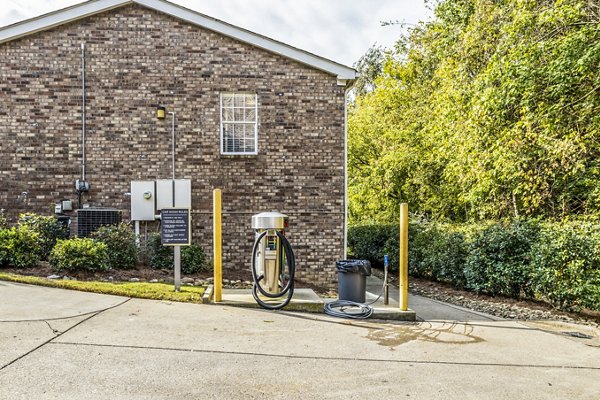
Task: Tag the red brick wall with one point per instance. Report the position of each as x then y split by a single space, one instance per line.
137 58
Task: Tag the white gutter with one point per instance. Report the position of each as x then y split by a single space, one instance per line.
346 171
56 18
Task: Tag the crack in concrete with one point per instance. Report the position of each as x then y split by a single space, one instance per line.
326 358
57 318
59 334
55 331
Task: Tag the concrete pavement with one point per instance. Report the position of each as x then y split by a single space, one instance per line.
118 348
425 308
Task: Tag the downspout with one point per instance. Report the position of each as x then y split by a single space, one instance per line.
346 91
83 112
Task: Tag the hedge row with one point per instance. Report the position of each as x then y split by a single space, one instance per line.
555 262
37 238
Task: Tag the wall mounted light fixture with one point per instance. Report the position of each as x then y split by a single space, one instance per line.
160 112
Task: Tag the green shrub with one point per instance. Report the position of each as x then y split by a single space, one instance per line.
371 242
499 259
558 262
3 219
120 243
432 252
566 265
48 230
5 239
193 258
80 254
19 247
440 254
161 257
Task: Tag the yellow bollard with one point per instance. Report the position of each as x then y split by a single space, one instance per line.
218 262
403 257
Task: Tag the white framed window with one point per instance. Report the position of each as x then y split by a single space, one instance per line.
239 123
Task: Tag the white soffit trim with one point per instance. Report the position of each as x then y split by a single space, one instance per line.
86 9
59 17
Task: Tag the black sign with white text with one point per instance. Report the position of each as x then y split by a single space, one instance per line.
175 227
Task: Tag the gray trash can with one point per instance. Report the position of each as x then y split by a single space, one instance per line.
352 279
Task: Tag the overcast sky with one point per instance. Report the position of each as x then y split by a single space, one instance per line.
341 30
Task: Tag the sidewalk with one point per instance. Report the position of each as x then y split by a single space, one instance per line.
425 308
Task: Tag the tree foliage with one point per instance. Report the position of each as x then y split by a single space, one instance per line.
490 110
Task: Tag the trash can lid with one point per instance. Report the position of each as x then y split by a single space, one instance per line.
354 266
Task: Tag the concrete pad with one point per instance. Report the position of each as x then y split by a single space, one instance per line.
395 314
146 349
19 338
28 302
426 309
220 328
305 300
32 315
584 334
421 308
60 371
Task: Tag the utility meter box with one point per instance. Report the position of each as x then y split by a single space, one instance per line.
164 193
143 200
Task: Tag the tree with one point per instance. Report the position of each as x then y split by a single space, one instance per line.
490 110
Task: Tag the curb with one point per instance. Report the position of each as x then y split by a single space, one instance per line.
207 295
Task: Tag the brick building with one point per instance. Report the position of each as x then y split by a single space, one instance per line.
261 120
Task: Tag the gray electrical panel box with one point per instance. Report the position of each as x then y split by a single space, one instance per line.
182 190
143 200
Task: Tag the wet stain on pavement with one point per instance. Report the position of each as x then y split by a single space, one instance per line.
584 334
447 333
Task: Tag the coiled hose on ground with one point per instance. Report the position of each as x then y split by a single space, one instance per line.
351 309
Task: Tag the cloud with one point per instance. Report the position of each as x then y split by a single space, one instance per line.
341 30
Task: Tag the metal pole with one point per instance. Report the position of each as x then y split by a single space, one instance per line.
386 286
82 112
173 155
177 268
173 141
218 265
137 233
403 257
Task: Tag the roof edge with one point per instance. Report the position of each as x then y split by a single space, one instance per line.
89 8
59 17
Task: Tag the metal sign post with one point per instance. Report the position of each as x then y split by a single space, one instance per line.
175 230
386 286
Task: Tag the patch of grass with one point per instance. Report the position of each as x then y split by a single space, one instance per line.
142 290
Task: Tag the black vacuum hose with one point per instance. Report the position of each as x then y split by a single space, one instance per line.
289 287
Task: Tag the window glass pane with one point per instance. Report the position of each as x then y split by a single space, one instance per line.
250 100
250 115
228 130
227 100
239 114
239 100
227 114
249 145
238 144
227 145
